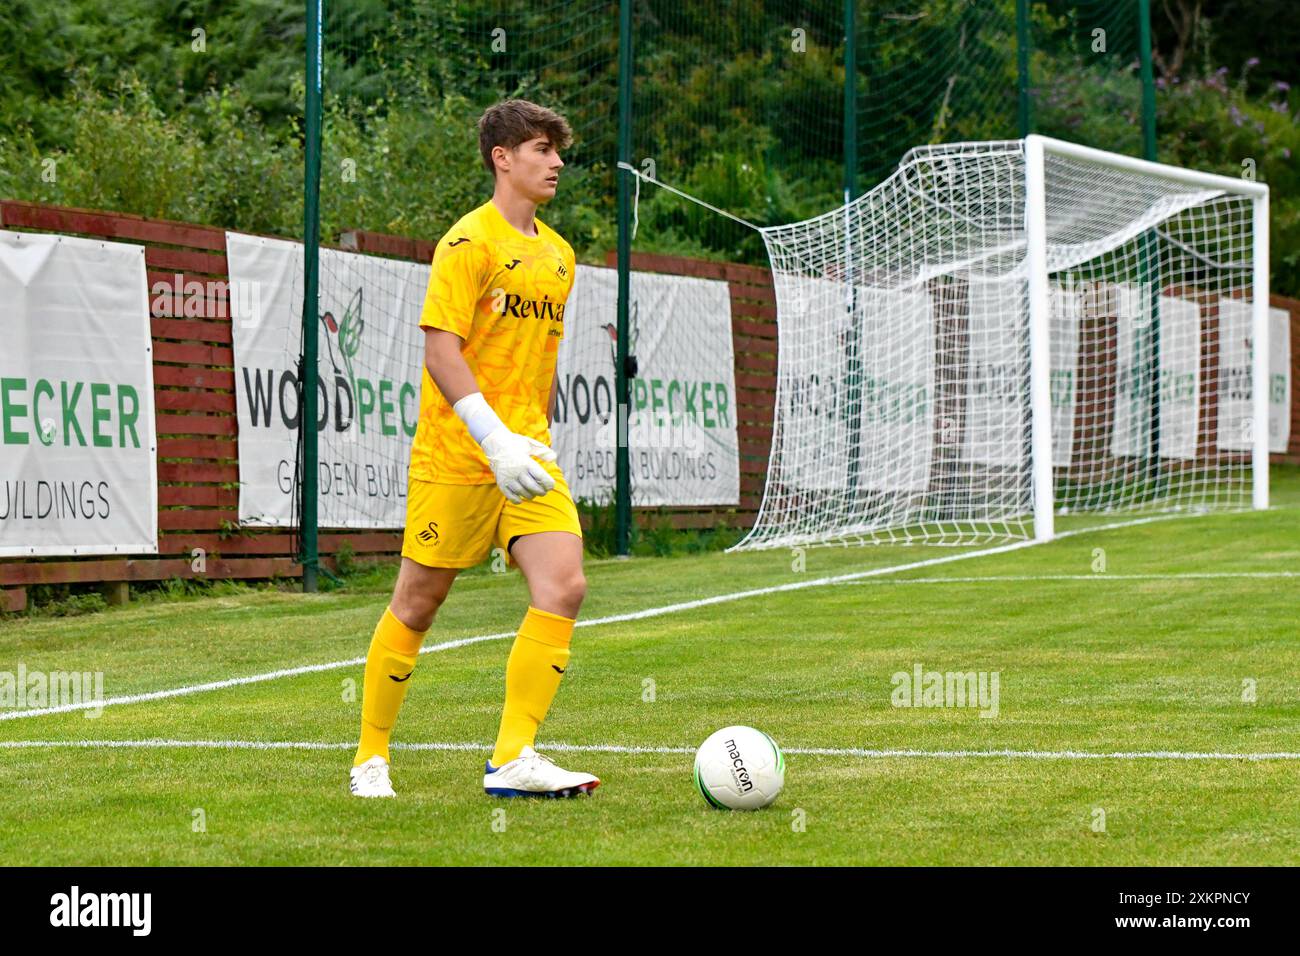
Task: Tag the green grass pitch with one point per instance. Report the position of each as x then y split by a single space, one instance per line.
1162 651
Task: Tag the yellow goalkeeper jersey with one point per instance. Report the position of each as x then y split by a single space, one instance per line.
503 293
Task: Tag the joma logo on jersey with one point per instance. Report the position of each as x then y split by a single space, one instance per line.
522 308
430 534
561 271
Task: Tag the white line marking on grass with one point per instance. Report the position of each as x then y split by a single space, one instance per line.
163 744
1049 754
1100 576
233 681
608 619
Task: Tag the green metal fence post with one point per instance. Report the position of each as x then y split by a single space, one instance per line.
1148 83
1023 117
622 483
852 410
850 101
309 556
1150 265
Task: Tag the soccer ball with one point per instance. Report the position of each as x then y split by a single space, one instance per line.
739 768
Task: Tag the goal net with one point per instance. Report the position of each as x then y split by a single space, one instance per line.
1005 332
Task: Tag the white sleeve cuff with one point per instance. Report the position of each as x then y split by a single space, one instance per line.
478 416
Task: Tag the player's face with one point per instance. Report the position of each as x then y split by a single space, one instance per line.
535 169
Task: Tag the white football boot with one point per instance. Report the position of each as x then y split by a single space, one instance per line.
532 775
371 779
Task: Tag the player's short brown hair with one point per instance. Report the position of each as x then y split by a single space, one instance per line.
517 121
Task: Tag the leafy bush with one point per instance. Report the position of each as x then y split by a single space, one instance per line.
216 166
600 539
63 600
1212 123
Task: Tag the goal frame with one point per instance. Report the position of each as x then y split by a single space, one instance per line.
1037 148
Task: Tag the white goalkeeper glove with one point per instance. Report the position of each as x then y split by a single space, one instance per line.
510 455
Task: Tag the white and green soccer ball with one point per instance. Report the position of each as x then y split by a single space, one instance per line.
739 768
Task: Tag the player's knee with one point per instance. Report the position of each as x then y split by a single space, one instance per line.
415 611
563 593
417 607
572 589
578 588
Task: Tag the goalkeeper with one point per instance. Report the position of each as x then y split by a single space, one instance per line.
482 472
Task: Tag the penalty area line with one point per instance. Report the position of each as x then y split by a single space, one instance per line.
97 705
863 752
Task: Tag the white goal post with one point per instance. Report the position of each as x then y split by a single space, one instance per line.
1002 332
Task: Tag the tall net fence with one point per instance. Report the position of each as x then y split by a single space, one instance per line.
744 105
740 103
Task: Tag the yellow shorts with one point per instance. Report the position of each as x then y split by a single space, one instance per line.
456 526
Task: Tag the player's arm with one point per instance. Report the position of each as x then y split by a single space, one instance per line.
509 454
447 366
550 402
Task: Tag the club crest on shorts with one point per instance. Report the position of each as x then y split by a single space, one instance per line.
429 534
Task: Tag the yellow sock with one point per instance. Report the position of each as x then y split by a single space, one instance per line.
389 665
538 659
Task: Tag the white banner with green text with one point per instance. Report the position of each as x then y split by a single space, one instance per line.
78 473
